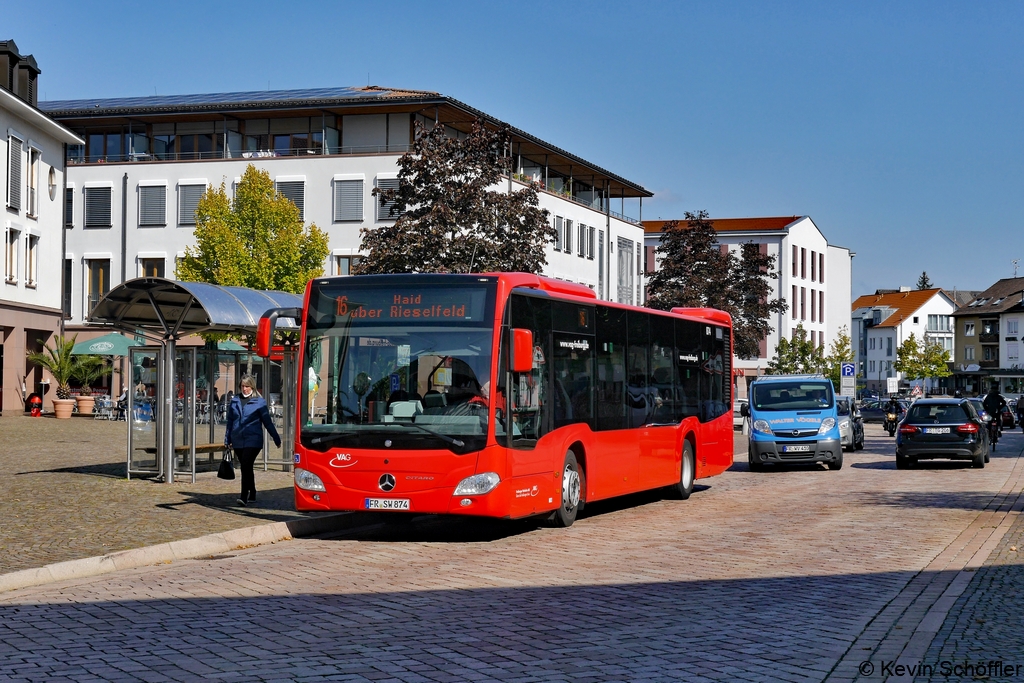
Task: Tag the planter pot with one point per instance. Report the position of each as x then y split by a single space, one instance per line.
85 404
62 407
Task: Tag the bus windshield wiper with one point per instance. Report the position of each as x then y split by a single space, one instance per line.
444 437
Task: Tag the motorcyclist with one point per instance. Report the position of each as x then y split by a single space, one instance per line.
894 406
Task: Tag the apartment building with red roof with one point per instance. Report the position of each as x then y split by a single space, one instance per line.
814 279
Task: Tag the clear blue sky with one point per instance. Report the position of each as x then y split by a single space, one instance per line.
897 129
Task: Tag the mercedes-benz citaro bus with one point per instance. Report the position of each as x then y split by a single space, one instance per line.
793 419
503 395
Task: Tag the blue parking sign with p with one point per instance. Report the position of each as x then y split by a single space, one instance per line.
848 370
396 382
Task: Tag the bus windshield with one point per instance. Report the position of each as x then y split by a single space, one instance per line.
399 366
793 395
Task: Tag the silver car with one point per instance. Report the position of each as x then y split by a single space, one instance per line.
851 426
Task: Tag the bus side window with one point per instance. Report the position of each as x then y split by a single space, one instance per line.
663 369
610 381
639 393
688 354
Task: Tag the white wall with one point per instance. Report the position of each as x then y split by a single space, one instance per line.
318 173
838 293
45 225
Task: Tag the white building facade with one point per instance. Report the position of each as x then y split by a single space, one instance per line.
134 185
32 147
883 321
814 280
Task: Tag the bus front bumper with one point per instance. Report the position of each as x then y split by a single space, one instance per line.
796 451
440 501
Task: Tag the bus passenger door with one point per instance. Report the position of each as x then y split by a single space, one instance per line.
613 468
529 392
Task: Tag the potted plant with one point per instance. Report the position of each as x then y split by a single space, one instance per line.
87 370
60 362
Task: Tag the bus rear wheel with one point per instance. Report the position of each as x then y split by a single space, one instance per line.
687 474
572 492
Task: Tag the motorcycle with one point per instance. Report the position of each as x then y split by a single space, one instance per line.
890 423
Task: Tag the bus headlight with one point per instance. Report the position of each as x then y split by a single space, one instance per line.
308 481
826 425
477 485
762 426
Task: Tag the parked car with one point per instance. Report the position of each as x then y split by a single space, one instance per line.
942 428
979 407
874 411
851 424
1008 421
737 413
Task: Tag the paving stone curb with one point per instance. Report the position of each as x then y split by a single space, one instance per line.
210 544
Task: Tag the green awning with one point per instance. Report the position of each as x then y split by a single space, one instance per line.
230 345
112 344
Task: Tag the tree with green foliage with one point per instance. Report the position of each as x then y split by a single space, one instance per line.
908 359
448 218
695 272
839 351
796 356
924 282
921 360
256 240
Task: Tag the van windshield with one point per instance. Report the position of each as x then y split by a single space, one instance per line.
794 395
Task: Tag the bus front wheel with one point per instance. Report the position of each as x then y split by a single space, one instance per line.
572 492
687 474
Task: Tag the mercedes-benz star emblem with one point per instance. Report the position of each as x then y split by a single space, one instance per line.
386 482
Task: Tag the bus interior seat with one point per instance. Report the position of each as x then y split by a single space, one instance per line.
405 409
434 399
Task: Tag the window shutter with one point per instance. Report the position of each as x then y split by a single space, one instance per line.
69 207
568 237
188 202
97 207
581 240
558 233
348 200
384 210
152 205
591 232
14 154
295 190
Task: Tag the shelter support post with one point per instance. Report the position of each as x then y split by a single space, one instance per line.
167 411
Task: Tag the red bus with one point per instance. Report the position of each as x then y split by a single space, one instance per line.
501 395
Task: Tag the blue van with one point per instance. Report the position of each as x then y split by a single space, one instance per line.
793 420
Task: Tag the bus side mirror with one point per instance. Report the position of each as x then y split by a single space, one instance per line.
744 410
265 328
522 350
264 335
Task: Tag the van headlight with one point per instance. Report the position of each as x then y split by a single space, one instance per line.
308 481
477 485
762 426
826 425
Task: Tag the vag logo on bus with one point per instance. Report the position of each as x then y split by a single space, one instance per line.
343 460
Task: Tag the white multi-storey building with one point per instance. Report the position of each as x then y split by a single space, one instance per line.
32 148
884 320
133 186
814 280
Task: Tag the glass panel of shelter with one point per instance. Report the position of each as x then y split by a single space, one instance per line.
143 431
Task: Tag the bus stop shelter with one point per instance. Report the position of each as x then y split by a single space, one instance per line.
174 411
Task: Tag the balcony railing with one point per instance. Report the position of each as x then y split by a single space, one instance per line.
595 204
989 338
237 154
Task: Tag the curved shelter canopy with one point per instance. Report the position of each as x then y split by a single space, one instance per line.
173 309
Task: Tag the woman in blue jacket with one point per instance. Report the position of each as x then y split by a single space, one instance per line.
247 416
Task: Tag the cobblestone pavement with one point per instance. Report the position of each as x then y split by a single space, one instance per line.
773 576
64 496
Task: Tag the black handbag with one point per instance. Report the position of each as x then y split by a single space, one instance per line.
227 468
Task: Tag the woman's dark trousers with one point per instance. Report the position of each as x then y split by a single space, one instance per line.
247 457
